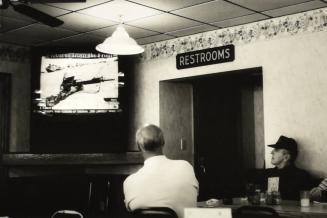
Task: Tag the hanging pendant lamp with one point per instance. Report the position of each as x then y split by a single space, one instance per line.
120 43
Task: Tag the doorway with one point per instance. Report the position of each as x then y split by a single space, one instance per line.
226 128
5 92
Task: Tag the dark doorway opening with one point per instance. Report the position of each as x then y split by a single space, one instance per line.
5 92
225 134
225 116
5 96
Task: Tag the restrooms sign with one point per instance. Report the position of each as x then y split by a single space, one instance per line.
205 57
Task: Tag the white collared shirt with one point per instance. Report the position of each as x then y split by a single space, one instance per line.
162 182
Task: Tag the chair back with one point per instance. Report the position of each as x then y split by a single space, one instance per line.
256 212
154 212
66 214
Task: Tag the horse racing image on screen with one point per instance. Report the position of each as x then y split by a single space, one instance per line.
79 83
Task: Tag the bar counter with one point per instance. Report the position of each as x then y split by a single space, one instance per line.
27 164
286 208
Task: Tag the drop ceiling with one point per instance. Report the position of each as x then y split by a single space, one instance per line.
89 23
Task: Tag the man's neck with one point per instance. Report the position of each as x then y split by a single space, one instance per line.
283 165
147 155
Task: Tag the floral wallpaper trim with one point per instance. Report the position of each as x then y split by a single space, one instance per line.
14 53
311 21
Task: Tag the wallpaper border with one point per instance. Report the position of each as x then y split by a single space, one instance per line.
307 22
14 53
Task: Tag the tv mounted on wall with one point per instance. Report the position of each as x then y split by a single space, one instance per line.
78 104
78 83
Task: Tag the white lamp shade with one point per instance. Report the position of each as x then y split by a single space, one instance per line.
120 44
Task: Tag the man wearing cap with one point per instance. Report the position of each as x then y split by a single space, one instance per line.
289 178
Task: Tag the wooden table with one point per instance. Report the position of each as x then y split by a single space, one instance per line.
286 208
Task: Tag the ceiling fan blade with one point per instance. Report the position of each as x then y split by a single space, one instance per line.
37 15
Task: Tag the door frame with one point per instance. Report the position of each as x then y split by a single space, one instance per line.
5 102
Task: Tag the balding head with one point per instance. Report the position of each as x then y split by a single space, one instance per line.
150 139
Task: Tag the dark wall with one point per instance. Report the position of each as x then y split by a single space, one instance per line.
90 133
93 196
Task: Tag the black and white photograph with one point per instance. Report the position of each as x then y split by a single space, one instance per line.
163 108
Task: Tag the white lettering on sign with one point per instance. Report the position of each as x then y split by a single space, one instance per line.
181 60
205 57
227 52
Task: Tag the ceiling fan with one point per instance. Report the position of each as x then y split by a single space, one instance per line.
23 7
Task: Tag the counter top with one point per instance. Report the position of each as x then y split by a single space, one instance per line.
26 164
28 159
286 208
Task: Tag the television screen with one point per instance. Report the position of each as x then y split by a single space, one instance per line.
79 104
79 83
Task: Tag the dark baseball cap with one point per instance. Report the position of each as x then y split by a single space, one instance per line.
287 144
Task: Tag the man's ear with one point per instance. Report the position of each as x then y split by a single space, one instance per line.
287 157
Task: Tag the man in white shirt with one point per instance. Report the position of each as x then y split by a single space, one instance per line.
161 182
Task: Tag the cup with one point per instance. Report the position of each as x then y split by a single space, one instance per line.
305 198
269 198
277 198
273 198
263 197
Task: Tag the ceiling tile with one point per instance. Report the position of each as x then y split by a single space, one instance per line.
9 12
164 23
40 32
133 32
213 11
78 5
240 20
260 5
151 39
50 10
192 30
104 32
77 40
83 23
169 5
7 24
115 9
295 8
19 39
144 19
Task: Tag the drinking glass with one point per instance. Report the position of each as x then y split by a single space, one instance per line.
305 198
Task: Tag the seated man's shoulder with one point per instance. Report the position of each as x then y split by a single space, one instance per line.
131 178
301 172
303 176
182 163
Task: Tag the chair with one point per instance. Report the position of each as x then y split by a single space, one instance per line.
66 214
154 212
98 198
255 212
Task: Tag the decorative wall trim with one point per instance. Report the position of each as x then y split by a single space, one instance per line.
308 22
14 53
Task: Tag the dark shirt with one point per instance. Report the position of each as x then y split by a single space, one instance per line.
291 181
